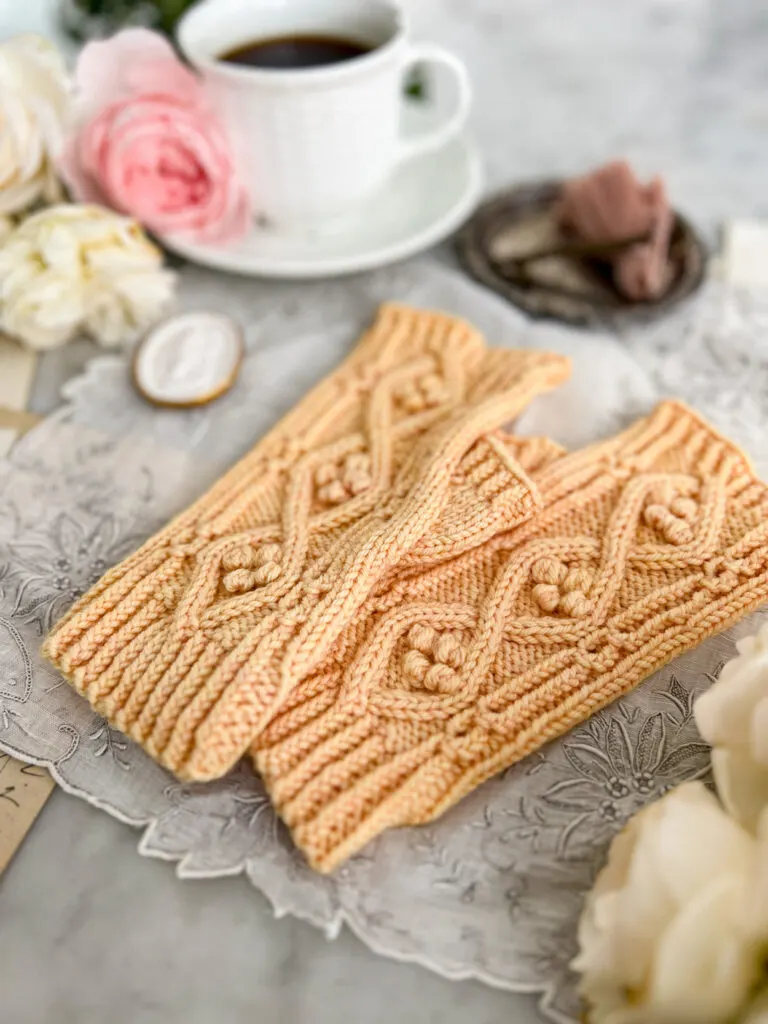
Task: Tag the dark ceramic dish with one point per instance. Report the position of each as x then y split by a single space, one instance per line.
513 245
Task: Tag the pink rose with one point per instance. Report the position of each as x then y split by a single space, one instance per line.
149 145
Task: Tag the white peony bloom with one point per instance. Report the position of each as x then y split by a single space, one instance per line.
675 930
71 269
733 716
34 112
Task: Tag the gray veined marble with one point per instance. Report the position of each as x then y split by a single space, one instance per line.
90 932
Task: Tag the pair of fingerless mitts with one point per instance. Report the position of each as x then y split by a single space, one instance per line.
390 598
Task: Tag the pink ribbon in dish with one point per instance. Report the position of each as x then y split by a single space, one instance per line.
610 205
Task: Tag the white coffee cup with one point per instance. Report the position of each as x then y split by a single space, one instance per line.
316 143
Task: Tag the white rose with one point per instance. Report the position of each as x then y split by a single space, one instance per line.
34 111
733 716
71 269
675 930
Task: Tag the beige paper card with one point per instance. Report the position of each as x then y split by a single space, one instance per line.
24 788
16 421
17 372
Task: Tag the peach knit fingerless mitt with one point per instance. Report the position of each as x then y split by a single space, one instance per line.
645 545
191 645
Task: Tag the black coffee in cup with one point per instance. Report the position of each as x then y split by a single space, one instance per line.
292 52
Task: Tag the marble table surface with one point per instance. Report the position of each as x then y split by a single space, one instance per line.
91 932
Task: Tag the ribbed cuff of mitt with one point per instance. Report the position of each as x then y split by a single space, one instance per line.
181 646
645 545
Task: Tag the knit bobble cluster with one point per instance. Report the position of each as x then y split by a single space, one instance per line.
337 482
250 567
560 589
670 514
433 659
423 393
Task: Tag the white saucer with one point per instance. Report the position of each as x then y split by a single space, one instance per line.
425 200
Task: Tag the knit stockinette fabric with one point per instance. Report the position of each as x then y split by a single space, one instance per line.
645 545
182 646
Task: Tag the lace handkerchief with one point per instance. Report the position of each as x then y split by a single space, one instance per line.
492 890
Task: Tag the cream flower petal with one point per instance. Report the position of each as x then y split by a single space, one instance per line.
733 716
755 911
675 930
704 969
757 1011
742 784
604 949
648 904
759 731
106 317
45 316
154 289
34 114
724 712
72 269
19 195
47 88
133 60
695 842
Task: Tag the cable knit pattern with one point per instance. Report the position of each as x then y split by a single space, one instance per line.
192 644
645 545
